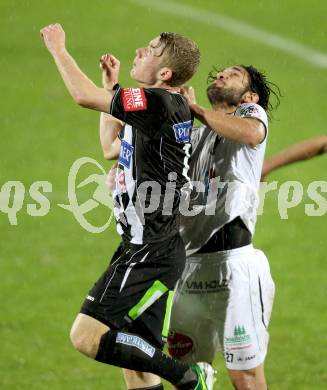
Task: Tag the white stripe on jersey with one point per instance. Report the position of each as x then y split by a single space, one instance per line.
130 213
186 167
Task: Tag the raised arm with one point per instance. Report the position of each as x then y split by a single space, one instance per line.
298 152
82 89
110 126
109 130
247 131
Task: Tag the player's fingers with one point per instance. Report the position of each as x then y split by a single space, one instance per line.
188 92
187 89
108 59
44 31
111 178
104 61
104 58
114 60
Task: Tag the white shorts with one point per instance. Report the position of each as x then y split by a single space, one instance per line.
223 303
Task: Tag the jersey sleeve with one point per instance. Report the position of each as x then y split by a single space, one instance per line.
141 108
252 110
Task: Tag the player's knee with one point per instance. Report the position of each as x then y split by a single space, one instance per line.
83 342
138 380
245 380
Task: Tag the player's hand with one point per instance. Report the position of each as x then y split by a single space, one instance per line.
110 66
53 37
111 178
189 93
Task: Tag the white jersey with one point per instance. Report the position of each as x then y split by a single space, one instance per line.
229 175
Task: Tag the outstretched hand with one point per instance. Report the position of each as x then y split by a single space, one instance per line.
188 92
53 36
110 66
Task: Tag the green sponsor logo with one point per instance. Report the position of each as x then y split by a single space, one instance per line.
240 336
239 331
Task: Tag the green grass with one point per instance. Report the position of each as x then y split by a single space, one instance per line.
48 264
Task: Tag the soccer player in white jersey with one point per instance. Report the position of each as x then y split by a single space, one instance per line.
224 299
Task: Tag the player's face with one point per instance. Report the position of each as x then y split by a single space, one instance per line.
147 62
229 86
234 77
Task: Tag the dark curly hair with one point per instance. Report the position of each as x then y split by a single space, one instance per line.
259 84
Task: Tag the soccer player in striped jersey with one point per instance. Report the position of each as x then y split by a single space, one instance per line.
124 319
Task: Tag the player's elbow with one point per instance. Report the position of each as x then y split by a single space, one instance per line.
255 137
83 100
110 155
85 97
253 140
111 150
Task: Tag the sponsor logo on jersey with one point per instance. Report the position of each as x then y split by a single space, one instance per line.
135 341
126 154
134 99
183 131
179 345
250 110
241 339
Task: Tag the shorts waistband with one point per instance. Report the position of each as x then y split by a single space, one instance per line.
220 255
232 235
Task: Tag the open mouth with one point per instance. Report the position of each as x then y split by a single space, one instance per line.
219 83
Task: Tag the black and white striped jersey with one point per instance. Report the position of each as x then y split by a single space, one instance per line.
153 162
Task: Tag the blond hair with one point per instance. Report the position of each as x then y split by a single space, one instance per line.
182 55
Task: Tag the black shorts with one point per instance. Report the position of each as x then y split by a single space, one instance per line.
135 292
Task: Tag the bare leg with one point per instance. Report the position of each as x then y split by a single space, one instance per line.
86 333
138 380
95 340
253 379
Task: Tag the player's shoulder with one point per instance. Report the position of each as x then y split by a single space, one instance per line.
166 97
250 110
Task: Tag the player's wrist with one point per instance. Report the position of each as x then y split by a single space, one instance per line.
198 111
60 52
111 86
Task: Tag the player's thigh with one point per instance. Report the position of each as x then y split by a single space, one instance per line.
249 379
86 333
198 311
246 328
139 380
267 285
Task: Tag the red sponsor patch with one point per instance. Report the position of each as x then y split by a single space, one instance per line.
133 99
179 345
